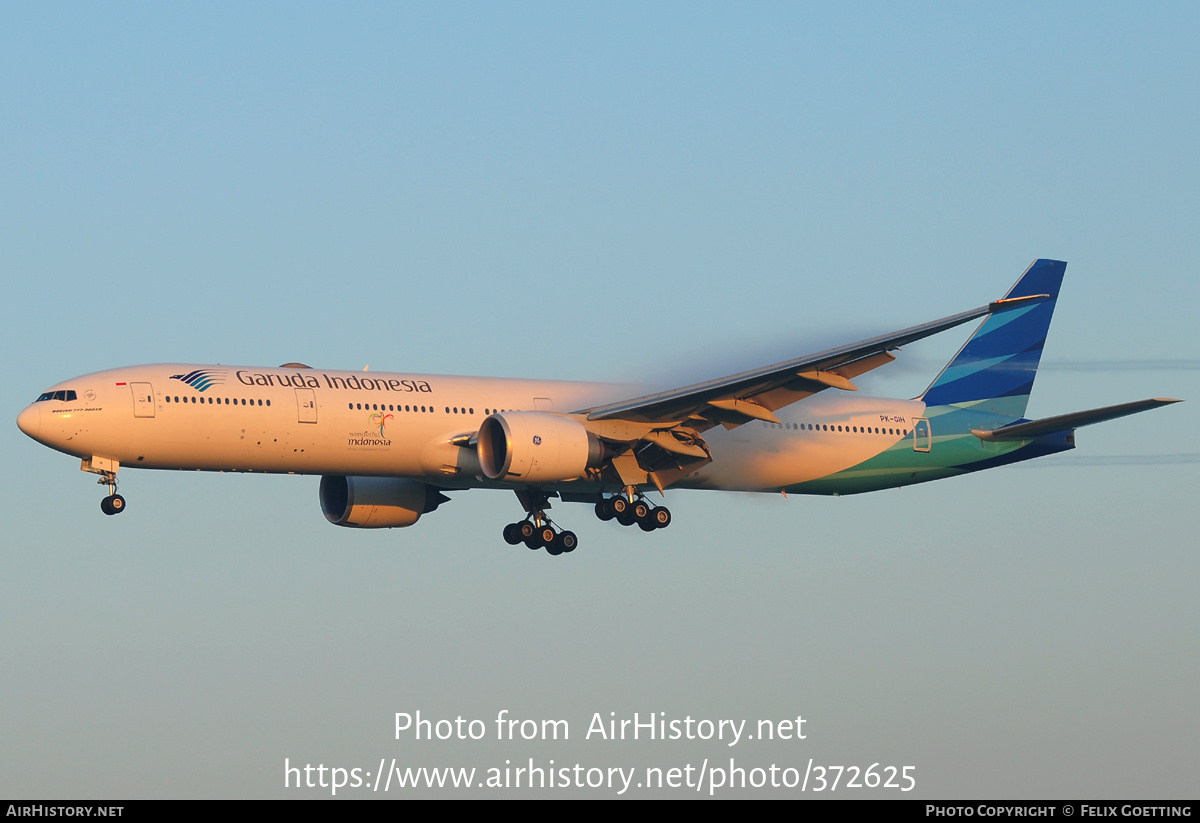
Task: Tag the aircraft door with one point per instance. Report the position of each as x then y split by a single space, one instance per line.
306 406
922 435
143 399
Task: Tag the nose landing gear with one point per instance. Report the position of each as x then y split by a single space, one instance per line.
114 503
107 469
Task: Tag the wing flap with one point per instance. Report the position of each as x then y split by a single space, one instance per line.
745 408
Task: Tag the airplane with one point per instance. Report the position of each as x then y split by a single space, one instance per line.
389 447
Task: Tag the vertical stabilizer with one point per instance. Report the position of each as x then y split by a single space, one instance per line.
998 364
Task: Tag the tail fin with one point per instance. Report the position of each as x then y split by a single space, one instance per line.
1000 360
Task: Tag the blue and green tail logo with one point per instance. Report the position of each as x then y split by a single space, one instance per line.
998 364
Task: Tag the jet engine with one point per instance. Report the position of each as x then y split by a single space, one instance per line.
376 502
536 447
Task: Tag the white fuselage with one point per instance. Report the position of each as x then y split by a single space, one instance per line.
313 421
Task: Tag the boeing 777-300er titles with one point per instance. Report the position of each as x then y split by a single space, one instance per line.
389 447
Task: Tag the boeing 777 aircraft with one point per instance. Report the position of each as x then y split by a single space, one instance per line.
389 447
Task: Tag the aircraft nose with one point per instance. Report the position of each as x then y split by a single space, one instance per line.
30 420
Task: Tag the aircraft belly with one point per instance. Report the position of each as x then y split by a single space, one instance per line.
949 456
790 459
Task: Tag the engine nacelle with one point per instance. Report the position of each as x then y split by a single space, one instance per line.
537 447
376 502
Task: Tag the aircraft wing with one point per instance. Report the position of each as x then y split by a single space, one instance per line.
756 394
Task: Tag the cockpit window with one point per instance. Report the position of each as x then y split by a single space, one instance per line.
61 394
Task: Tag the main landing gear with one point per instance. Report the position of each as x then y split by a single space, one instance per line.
537 531
536 536
627 511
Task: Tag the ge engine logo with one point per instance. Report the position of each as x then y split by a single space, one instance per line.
537 440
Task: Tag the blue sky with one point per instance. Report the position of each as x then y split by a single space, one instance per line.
602 191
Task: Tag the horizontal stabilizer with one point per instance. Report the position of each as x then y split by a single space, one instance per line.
1064 422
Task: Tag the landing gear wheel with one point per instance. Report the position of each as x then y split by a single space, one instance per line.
626 518
554 547
646 525
661 516
641 510
604 509
619 505
113 504
568 541
529 534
